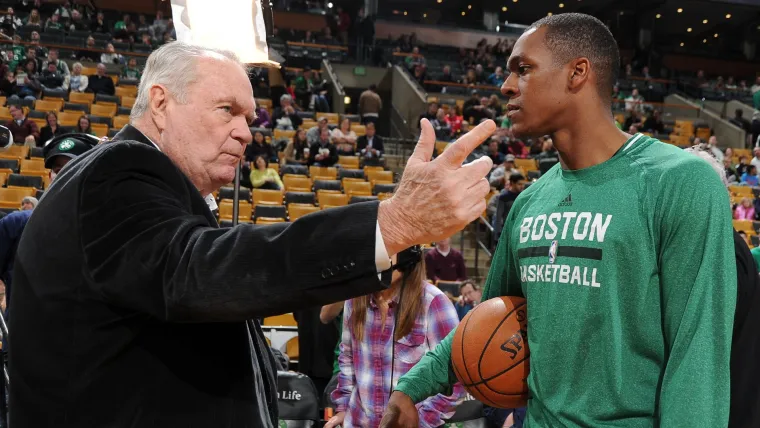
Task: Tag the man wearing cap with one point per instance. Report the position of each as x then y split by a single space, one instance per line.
499 174
312 135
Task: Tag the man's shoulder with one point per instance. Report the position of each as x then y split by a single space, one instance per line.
16 218
107 160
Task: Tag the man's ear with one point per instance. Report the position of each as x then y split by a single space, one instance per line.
579 73
159 99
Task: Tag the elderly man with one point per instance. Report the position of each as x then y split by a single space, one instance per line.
100 83
145 314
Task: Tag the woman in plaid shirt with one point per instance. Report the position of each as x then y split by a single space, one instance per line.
364 382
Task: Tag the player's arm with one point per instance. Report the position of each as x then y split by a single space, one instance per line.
698 292
433 374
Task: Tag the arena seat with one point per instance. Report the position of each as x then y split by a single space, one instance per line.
379 188
244 211
120 121
76 108
48 105
300 198
3 177
357 188
11 197
452 287
264 102
22 180
323 172
281 320
55 94
32 165
327 186
283 134
297 398
82 98
294 170
380 177
15 151
291 349
36 152
126 91
269 212
9 166
332 118
100 129
351 174
526 164
359 199
263 221
128 102
441 146
267 197
745 226
229 193
349 162
296 211
66 118
327 200
103 110
106 100
296 183
741 191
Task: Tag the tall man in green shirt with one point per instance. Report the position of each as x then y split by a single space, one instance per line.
626 261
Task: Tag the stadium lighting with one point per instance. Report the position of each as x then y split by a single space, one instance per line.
704 21
704 40
498 28
347 100
329 5
404 13
549 14
561 5
728 16
424 15
440 1
469 6
688 30
681 44
504 9
514 1
658 16
715 35
464 13
679 10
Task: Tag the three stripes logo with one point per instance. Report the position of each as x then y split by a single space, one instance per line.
568 201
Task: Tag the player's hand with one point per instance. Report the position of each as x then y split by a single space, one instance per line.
401 412
438 198
336 420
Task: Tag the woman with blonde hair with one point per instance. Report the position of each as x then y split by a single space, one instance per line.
77 81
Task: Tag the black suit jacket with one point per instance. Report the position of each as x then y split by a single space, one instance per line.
377 143
331 159
138 313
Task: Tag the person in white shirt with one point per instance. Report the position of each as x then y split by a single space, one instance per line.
634 101
344 138
756 87
716 152
756 160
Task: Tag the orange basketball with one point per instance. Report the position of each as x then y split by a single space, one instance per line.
490 352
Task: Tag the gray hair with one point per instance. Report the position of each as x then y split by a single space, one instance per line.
286 97
173 66
710 159
30 200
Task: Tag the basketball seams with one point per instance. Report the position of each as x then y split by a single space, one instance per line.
488 342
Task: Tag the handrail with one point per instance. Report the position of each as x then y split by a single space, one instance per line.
484 221
462 85
318 46
79 48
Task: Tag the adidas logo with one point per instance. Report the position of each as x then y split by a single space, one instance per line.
568 201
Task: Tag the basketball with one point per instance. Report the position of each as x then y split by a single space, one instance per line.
490 352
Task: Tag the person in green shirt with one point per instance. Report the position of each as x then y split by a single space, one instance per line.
756 255
131 71
626 261
756 100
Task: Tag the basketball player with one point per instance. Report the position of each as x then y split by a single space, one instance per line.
625 259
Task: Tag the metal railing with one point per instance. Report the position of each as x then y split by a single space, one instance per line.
483 232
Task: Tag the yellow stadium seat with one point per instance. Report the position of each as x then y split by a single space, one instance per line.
11 197
332 118
89 71
267 197
296 211
32 165
15 151
526 164
48 105
126 91
745 226
332 199
100 129
5 114
296 183
375 176
323 173
291 349
349 162
357 188
359 130
284 320
66 118
741 191
127 102
384 196
281 133
274 166
308 124
39 121
264 102
82 98
103 110
120 121
244 211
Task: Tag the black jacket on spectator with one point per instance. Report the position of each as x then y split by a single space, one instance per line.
252 150
653 125
144 315
745 344
51 80
7 88
279 113
377 143
86 55
331 160
47 133
101 85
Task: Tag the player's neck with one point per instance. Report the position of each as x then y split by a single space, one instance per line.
591 140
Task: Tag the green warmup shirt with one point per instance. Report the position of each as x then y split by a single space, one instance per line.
756 255
629 273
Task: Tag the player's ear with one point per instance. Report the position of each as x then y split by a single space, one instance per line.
580 68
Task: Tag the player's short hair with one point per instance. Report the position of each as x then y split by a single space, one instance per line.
576 35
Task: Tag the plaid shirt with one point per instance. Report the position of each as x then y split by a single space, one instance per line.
364 382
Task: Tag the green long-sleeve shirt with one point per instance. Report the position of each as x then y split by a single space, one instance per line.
630 315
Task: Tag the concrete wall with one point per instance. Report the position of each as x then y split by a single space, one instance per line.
728 134
345 73
406 98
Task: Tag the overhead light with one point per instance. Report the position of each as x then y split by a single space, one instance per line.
704 21
681 44
561 5
514 1
715 35
498 28
440 1
549 14
704 40
347 100
404 13
424 15
688 30
728 16
679 10
504 9
329 5
658 16
469 6
463 13
622 12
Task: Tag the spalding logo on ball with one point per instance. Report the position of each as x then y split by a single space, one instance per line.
490 354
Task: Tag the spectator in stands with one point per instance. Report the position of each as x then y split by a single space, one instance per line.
454 120
756 87
62 67
634 119
741 167
285 116
420 74
616 95
312 135
369 324
756 160
755 128
30 90
731 83
548 156
470 78
160 25
51 129
370 146
89 54
84 126
645 73
496 78
742 123
53 23
344 24
31 55
749 178
77 22
512 189
29 203
479 112
480 74
10 22
713 145
415 59
8 85
262 118
51 79
260 147
145 40
64 10
719 84
344 138
122 25
535 146
99 24
634 102
309 37
34 19
745 210
323 152
143 27
493 151
326 37
517 148
431 112
297 150
445 263
77 81
654 123
132 71
110 56
24 131
756 100
370 105
503 170
263 177
100 83
729 170
470 297
441 127
34 40
446 76
494 105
